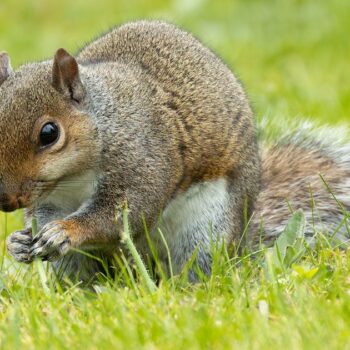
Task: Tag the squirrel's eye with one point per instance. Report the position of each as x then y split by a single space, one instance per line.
48 134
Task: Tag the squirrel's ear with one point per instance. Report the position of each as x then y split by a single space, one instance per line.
5 67
65 76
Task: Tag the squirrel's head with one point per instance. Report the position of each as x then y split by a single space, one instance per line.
45 134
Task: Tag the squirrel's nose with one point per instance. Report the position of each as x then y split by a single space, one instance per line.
8 202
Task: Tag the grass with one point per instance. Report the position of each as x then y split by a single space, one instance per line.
292 56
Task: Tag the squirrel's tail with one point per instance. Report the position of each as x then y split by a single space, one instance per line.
306 168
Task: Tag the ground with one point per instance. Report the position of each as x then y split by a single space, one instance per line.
293 58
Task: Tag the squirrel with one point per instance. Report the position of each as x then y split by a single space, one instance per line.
145 114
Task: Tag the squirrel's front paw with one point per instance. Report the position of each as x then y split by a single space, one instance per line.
51 242
19 245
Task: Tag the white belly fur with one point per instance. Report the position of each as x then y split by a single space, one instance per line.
190 218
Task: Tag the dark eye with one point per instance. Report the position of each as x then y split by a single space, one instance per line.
49 134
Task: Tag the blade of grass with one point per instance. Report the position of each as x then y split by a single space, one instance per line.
126 239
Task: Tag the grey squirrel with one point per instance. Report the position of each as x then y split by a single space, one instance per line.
144 114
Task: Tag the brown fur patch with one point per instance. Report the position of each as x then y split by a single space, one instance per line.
292 180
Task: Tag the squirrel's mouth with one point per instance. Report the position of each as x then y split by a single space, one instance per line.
30 193
9 203
8 208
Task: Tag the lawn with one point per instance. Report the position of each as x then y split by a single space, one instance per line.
293 58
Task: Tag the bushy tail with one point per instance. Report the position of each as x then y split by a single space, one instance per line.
306 168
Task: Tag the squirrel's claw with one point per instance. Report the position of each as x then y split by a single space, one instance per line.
19 245
51 242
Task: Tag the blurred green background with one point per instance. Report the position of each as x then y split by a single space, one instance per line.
293 56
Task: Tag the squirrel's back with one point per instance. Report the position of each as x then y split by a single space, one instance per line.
306 169
191 85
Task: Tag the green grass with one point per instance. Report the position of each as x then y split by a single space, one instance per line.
293 57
